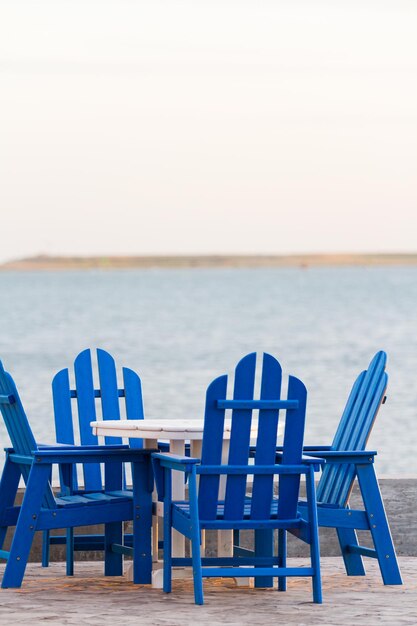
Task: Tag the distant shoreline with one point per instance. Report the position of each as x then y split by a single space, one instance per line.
44 262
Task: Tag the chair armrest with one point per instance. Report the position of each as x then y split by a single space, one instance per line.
346 456
19 459
72 446
100 454
165 461
318 462
175 461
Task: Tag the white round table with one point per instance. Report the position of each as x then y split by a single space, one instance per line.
151 429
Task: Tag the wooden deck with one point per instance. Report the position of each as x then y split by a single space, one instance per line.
47 596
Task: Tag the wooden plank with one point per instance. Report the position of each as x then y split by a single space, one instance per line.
293 448
64 424
262 490
240 437
109 392
61 396
86 414
134 401
212 446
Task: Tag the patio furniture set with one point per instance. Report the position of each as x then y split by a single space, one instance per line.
238 477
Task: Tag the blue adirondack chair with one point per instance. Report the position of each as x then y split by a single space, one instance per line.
346 461
262 511
89 402
41 510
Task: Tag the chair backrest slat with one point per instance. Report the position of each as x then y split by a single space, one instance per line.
262 489
293 449
86 406
134 401
84 384
212 447
61 396
64 427
354 429
240 437
109 391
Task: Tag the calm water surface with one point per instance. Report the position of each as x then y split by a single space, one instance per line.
181 328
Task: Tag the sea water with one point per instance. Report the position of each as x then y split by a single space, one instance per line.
181 328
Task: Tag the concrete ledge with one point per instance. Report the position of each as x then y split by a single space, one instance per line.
400 498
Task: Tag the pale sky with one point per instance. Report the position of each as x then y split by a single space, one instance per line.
183 127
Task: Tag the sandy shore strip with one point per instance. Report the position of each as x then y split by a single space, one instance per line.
48 596
45 262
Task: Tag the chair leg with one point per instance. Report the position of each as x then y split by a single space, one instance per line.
8 489
113 562
3 531
264 546
195 540
347 537
113 531
378 525
282 557
69 551
167 581
45 548
197 569
353 562
142 522
236 539
167 584
314 536
26 526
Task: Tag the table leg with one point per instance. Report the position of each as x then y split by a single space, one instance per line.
178 493
224 537
153 444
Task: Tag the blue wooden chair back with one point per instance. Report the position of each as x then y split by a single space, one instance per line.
368 392
110 507
94 403
18 428
242 407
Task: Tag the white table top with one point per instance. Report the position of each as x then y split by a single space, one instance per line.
168 428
